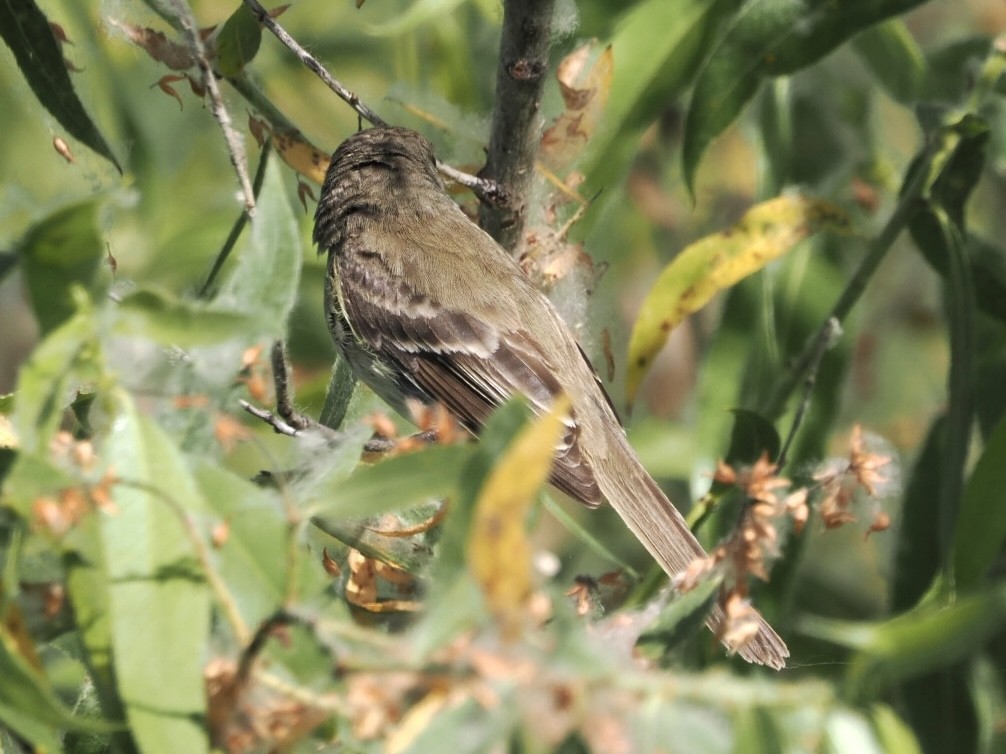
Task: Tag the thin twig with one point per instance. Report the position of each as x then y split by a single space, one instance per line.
312 62
279 426
513 141
235 146
239 224
487 190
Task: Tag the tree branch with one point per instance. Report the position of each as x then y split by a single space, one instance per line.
513 142
487 190
235 146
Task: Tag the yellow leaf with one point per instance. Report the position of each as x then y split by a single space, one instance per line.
416 720
499 553
301 155
766 232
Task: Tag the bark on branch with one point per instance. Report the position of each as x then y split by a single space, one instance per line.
513 141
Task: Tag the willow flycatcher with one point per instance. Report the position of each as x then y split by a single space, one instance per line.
425 305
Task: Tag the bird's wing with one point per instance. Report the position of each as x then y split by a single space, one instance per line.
456 357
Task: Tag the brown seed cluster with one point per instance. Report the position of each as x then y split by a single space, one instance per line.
62 510
769 499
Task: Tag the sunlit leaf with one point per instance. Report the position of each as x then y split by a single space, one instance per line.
88 590
238 41
499 552
760 732
657 47
989 700
158 600
253 560
27 32
166 319
264 281
68 356
391 484
766 232
769 38
892 732
28 704
63 250
418 13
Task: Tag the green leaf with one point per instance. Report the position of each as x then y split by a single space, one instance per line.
418 13
162 317
583 534
989 700
769 38
33 476
28 704
392 484
88 590
894 58
264 282
63 250
894 736
238 42
253 559
680 619
658 46
158 600
752 437
68 356
26 31
963 143
917 553
775 117
765 232
756 731
926 638
981 529
990 398
950 69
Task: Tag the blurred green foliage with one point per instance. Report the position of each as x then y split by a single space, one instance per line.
159 593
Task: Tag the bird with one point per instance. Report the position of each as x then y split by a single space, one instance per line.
426 306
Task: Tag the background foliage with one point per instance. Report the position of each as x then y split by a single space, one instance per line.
163 587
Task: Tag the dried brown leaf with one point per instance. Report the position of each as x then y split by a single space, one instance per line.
62 149
174 55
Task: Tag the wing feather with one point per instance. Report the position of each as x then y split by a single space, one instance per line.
453 357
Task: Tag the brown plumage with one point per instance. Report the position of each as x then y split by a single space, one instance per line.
424 304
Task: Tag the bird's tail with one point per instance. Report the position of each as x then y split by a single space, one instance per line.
655 521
